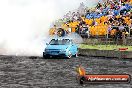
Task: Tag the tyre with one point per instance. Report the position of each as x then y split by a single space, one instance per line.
45 56
69 55
76 55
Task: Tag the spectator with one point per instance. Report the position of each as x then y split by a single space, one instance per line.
108 13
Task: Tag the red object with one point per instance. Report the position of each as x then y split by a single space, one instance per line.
102 78
123 49
110 78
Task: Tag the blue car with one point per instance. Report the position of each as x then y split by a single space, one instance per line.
61 47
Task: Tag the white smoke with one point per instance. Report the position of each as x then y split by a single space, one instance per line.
24 24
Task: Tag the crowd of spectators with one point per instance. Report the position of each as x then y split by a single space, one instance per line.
111 18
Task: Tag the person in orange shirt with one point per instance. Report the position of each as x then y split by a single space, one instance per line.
113 32
87 21
97 20
66 28
83 18
96 30
131 2
92 31
73 25
52 31
69 29
99 29
101 19
104 19
90 22
127 20
106 28
64 25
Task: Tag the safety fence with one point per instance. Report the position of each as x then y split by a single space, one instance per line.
107 35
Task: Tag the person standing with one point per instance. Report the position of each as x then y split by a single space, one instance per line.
124 37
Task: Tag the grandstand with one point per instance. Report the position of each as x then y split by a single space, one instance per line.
110 19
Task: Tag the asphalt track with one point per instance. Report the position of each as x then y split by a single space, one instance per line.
36 72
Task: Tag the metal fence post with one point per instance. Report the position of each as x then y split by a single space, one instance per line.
129 32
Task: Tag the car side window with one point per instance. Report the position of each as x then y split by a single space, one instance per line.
66 41
71 41
52 42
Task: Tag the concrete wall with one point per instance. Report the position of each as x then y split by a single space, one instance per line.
106 41
106 53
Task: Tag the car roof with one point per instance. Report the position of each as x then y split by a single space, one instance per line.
61 39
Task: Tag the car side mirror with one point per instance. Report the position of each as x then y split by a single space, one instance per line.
47 44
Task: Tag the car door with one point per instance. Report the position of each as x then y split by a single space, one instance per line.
74 49
71 47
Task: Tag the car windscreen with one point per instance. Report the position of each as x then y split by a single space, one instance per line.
60 42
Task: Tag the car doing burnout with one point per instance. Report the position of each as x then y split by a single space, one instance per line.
61 47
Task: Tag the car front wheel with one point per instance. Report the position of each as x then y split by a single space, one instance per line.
76 55
69 55
45 56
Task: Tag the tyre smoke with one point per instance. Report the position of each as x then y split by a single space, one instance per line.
24 24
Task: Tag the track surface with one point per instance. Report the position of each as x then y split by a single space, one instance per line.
36 72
